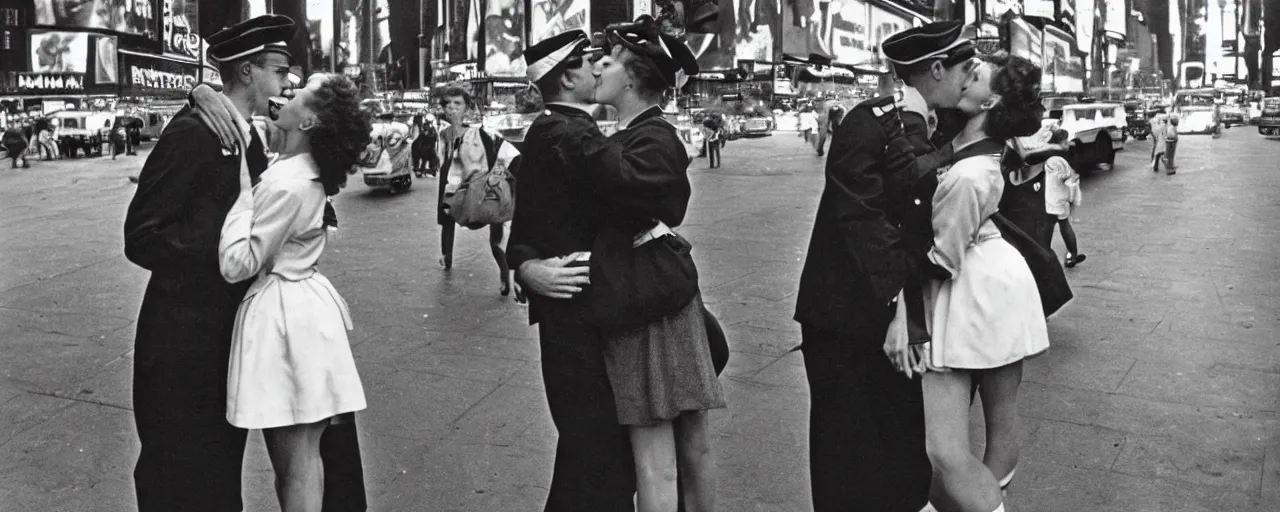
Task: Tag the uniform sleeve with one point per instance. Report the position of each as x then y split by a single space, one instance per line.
856 184
957 214
520 244
643 179
910 154
257 226
154 224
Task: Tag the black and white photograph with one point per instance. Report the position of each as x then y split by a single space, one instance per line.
639 256
60 52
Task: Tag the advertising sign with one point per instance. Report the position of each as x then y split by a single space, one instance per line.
1085 25
125 16
1067 14
1038 8
59 52
884 24
144 75
1066 72
105 69
1115 18
849 34
178 28
997 8
504 38
802 30
551 17
1026 41
50 82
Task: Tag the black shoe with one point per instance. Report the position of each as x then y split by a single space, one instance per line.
445 263
1072 261
505 290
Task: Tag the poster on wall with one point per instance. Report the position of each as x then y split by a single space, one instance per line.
1038 8
178 20
504 38
849 29
105 68
758 24
882 25
1065 70
1115 18
125 16
1025 42
59 52
551 17
1085 26
802 30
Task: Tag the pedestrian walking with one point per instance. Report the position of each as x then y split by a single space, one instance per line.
555 218
457 105
423 149
866 421
1062 194
117 139
191 455
986 316
48 149
1171 146
659 362
808 124
715 141
291 369
1159 128
15 144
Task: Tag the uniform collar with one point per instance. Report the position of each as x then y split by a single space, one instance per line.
301 166
565 107
913 101
654 111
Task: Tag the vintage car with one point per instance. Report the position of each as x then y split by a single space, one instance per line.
376 164
81 130
1197 118
1269 117
1096 132
757 126
1232 114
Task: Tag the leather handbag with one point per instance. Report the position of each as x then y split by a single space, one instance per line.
1051 280
635 285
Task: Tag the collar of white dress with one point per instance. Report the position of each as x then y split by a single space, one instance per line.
301 166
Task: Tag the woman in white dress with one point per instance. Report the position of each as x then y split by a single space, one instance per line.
987 318
291 366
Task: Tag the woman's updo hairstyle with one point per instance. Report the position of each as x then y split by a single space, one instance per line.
343 131
1020 111
649 81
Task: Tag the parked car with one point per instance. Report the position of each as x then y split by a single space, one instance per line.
1231 114
83 130
1096 132
1269 117
1201 119
757 126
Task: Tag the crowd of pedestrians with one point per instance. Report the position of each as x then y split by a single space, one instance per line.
923 286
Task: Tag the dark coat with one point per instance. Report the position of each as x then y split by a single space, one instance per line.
860 256
571 174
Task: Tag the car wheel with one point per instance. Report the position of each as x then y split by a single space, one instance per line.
1104 155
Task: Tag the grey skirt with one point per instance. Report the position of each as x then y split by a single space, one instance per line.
663 369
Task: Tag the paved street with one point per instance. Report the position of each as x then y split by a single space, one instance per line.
1161 391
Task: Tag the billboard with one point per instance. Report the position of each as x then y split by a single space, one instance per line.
1026 41
105 67
884 24
178 20
1085 26
551 17
145 75
1065 71
136 17
802 30
504 38
1038 8
59 52
850 24
1115 18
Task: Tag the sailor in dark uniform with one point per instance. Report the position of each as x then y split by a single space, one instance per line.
867 450
554 218
191 457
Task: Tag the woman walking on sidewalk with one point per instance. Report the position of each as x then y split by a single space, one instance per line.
291 369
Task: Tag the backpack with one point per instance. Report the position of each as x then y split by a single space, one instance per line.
486 195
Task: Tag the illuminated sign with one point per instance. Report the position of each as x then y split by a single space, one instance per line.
51 81
179 36
155 79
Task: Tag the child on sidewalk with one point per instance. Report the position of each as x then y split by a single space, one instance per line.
1061 196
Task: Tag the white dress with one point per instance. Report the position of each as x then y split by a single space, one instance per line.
291 362
988 314
1061 187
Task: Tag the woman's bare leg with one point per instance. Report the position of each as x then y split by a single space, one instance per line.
654 448
295 457
962 477
999 391
496 233
697 462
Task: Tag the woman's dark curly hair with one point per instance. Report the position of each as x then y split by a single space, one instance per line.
343 131
1019 112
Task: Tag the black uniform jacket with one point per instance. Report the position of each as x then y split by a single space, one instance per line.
185 190
574 181
860 256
